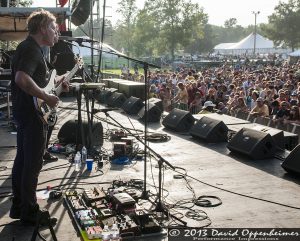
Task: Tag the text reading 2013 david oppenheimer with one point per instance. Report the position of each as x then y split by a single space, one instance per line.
276 234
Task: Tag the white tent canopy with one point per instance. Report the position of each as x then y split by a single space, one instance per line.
246 45
295 53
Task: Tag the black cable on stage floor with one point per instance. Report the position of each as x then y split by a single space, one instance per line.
239 194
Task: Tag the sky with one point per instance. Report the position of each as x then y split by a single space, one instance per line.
218 10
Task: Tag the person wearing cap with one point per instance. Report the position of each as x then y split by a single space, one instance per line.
260 109
208 107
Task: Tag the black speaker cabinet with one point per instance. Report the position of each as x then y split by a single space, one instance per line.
276 134
156 101
179 120
132 105
292 162
132 88
102 96
255 144
116 100
210 130
152 111
80 11
68 133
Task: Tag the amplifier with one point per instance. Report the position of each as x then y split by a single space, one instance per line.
119 149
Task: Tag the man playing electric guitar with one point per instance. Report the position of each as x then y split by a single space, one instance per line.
53 119
29 77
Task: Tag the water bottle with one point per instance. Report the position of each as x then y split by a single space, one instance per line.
77 161
115 232
83 154
105 233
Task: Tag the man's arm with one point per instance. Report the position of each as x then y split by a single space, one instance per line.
26 83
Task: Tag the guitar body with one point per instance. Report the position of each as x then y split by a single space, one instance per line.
43 110
47 114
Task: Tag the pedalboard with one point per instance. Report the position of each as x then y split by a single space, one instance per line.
97 212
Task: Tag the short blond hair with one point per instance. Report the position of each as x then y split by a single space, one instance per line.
39 19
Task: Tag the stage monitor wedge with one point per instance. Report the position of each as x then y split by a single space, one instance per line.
255 144
276 134
156 101
292 162
210 130
116 100
132 105
102 96
152 111
179 120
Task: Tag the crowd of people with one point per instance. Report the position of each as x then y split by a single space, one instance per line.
271 91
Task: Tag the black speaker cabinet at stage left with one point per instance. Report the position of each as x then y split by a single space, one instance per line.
179 120
210 130
116 100
292 162
80 11
257 145
68 133
152 113
132 105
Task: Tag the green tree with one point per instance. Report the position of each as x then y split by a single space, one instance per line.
284 24
128 10
145 35
230 23
180 22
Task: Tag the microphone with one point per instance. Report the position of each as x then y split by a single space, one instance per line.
77 40
104 110
70 43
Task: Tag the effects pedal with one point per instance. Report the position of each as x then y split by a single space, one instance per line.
146 222
123 201
102 204
87 217
105 213
94 232
76 203
93 195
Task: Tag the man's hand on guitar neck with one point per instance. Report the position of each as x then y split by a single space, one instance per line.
60 79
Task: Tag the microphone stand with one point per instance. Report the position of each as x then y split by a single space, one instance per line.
160 207
146 67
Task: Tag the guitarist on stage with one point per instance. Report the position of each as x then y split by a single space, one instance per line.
29 77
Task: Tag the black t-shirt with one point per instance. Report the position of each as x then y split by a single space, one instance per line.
29 59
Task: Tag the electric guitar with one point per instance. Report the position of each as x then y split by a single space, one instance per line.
46 113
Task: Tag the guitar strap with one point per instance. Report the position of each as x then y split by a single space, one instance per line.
53 113
46 62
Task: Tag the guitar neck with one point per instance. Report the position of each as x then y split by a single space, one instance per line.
59 88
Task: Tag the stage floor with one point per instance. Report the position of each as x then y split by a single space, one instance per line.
254 194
